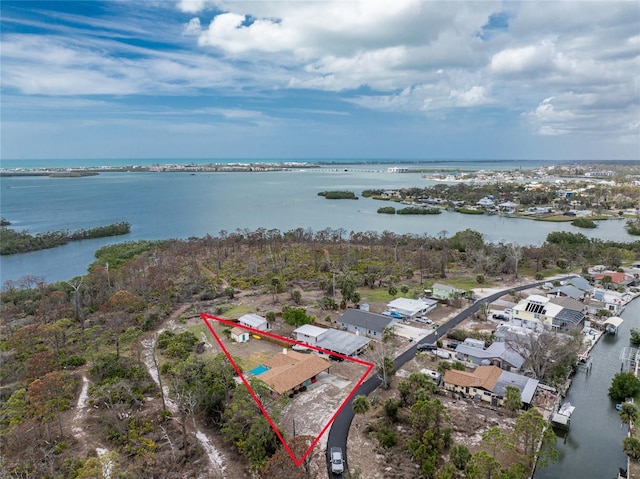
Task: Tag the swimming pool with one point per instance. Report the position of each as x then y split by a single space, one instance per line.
257 371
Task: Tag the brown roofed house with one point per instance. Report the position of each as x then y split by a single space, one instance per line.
289 371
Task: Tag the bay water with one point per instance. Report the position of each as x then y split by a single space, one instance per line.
182 205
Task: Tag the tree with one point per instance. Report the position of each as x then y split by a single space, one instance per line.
360 404
544 350
623 386
496 439
386 370
534 439
628 413
459 456
280 465
512 399
393 291
481 466
296 296
631 447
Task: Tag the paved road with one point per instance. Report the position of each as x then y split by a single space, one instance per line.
339 431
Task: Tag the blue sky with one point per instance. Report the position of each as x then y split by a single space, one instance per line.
373 79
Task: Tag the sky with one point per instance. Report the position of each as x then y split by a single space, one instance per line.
372 79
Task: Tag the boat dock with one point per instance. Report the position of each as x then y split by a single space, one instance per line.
562 417
612 324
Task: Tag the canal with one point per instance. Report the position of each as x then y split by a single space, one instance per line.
592 448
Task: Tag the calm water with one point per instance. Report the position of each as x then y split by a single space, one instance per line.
593 446
180 205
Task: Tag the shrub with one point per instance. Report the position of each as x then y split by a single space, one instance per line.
387 210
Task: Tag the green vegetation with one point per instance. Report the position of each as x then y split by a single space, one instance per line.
584 223
469 211
338 195
623 386
419 210
387 210
13 242
633 227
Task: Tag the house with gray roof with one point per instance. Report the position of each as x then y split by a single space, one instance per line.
566 290
497 354
365 323
444 291
580 283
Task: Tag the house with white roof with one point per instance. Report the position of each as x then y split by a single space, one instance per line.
254 321
486 202
411 308
332 340
539 313
613 301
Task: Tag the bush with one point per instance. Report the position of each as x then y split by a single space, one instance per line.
539 276
623 386
631 447
584 223
387 210
480 279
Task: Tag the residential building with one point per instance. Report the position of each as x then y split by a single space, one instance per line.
365 323
566 290
580 283
445 292
489 383
497 354
411 308
332 340
486 202
613 301
539 313
289 371
254 321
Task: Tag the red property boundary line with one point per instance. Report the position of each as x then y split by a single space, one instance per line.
207 317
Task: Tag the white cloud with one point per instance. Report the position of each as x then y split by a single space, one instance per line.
193 27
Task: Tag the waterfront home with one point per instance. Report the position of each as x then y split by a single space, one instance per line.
486 202
445 292
566 290
239 335
498 354
580 283
613 301
539 313
254 321
508 207
489 384
289 371
366 323
332 340
619 279
411 308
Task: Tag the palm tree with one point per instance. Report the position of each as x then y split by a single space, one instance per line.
360 404
629 413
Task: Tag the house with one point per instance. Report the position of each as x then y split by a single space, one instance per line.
486 202
445 292
539 313
508 207
289 371
332 340
497 354
613 301
580 283
411 308
489 383
254 321
566 290
365 323
619 279
239 335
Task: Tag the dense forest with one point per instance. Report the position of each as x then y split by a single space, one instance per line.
101 329
12 241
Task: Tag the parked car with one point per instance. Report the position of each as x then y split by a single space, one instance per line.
337 461
501 317
452 344
333 357
427 347
423 320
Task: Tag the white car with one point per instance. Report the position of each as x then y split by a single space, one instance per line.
337 462
424 320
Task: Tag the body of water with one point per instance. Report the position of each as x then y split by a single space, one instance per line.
592 448
182 205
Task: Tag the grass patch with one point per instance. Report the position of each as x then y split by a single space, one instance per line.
378 295
238 311
463 282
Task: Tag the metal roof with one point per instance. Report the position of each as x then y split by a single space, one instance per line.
342 342
363 319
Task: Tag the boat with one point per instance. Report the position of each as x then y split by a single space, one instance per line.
255 336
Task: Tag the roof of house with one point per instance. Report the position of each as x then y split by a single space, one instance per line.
342 342
366 320
494 379
310 330
567 290
291 369
617 278
408 304
580 283
568 316
484 377
445 287
252 320
497 349
568 303
238 331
